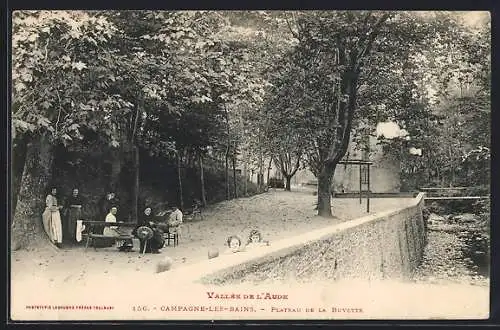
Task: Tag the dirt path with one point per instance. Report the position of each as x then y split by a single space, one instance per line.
277 214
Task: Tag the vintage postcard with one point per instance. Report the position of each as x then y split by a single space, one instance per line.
250 165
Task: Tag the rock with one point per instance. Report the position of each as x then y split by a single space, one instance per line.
213 253
464 218
164 265
433 217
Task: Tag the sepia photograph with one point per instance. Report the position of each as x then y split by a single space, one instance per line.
250 165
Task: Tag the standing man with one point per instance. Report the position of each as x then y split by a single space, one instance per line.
52 218
73 214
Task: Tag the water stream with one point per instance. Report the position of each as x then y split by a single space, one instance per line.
456 252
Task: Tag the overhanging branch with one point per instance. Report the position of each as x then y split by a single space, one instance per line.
294 34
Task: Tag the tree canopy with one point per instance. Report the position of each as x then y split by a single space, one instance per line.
249 87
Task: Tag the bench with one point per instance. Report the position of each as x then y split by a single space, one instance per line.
91 227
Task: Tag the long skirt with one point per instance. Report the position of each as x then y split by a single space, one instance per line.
74 214
52 225
155 243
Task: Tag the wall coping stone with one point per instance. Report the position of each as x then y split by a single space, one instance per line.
196 272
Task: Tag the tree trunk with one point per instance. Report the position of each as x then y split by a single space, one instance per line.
19 149
202 179
116 168
287 183
268 173
234 176
27 222
226 174
228 147
324 192
260 175
135 188
245 175
179 178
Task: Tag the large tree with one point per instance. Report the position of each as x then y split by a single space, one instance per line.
337 56
107 73
53 101
448 123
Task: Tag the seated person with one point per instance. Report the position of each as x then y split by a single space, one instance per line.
234 244
174 220
146 217
255 240
123 245
156 242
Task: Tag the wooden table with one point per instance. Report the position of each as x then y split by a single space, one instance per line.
92 226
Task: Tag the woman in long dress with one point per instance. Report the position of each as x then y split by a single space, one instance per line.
52 218
73 214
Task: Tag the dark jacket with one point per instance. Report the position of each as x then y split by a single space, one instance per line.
156 242
72 200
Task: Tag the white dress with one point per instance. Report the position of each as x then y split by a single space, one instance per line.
52 219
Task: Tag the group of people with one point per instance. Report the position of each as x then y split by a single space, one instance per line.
158 226
236 244
57 229
64 229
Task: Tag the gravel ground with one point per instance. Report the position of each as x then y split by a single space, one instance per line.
51 274
443 262
277 214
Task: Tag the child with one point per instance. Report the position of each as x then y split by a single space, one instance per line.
255 240
234 244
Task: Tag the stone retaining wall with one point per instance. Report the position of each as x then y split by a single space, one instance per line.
384 245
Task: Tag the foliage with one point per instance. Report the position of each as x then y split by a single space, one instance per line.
454 130
54 71
296 87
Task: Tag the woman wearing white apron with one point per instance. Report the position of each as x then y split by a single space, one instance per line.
52 218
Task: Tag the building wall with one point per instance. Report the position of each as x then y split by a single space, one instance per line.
384 173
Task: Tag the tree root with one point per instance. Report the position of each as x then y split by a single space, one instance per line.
29 239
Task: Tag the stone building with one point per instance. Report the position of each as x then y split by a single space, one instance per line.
384 172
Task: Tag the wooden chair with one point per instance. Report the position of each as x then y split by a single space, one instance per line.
172 234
